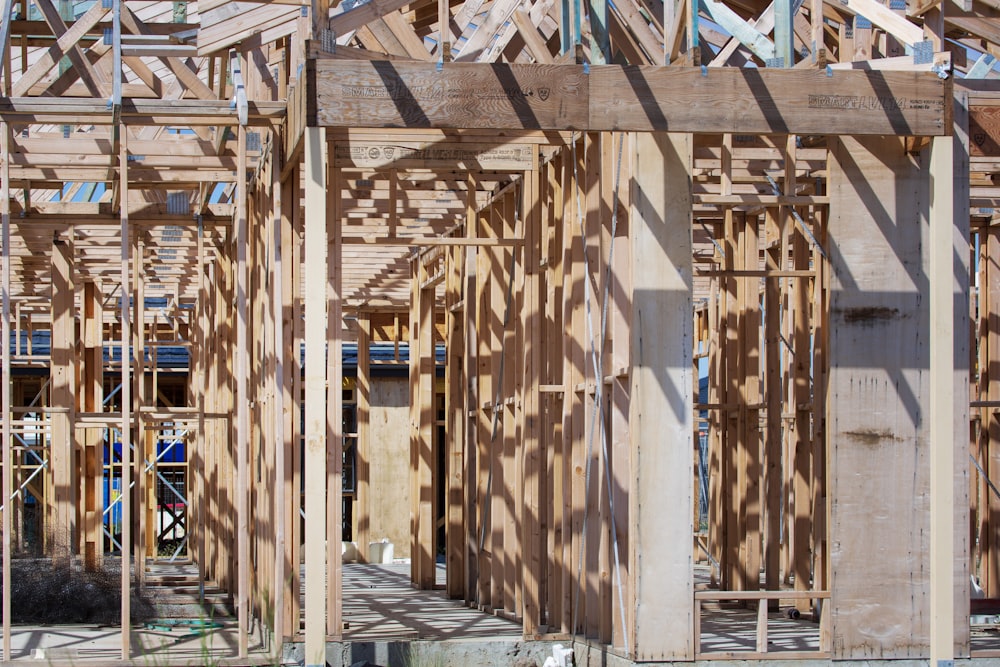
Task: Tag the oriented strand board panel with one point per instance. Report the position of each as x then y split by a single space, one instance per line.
610 97
878 409
389 468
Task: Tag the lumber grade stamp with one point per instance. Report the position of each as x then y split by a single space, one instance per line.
424 154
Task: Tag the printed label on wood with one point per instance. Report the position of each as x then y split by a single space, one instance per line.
984 131
421 155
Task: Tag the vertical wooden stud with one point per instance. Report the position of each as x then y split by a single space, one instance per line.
126 394
315 396
5 389
334 405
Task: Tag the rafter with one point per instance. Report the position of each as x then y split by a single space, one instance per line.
187 76
67 44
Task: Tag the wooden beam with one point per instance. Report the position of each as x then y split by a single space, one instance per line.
50 58
415 95
883 17
315 396
747 35
194 113
94 78
661 400
362 14
498 14
533 41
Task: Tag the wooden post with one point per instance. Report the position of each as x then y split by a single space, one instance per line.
534 461
496 432
511 349
879 356
943 339
198 458
141 442
554 350
574 405
801 565
484 372
949 291
362 502
5 397
92 390
126 392
594 481
242 433
662 406
444 33
291 243
424 455
749 399
62 392
280 387
315 396
471 400
772 386
334 404
455 419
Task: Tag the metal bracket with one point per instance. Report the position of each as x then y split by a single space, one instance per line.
328 41
923 53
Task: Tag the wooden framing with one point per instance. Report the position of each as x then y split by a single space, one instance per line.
660 379
554 221
315 391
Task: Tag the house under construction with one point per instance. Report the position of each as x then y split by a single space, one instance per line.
664 331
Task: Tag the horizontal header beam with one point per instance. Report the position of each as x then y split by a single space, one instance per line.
187 113
609 97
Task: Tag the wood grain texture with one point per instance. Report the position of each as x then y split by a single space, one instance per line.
878 402
680 99
461 95
749 100
984 131
430 154
662 406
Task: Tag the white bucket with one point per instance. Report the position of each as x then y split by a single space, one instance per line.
380 552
